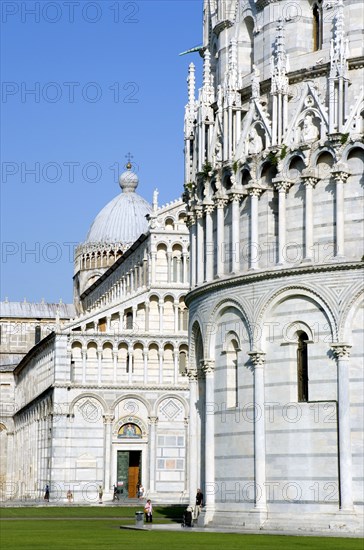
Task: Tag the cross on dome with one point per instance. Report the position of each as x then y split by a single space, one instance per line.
128 180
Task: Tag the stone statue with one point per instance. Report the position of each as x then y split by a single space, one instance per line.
255 142
309 130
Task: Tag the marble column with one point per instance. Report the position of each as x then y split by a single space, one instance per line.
108 420
235 196
152 450
153 256
193 450
146 316
175 364
282 186
342 354
145 358
208 366
340 174
161 359
258 360
254 190
209 241
130 365
185 265
169 266
200 260
220 236
309 183
176 312
192 226
161 310
84 357
99 366
115 365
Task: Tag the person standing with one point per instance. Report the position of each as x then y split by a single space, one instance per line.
101 492
199 503
148 511
46 493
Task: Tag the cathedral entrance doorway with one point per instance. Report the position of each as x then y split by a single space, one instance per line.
129 472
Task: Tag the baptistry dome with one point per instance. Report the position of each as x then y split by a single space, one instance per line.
123 219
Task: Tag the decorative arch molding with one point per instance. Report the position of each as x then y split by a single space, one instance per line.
89 395
349 312
229 337
92 341
154 343
294 291
319 150
296 153
195 324
183 402
135 397
298 326
349 147
162 242
129 419
209 343
154 294
140 343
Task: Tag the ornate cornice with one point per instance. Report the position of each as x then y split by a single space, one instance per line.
275 273
130 387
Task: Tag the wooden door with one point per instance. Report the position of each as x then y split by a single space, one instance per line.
134 473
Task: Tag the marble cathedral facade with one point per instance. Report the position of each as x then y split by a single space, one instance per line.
103 398
274 160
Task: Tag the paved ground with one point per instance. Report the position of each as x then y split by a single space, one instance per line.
177 527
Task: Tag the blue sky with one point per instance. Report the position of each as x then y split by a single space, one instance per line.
84 83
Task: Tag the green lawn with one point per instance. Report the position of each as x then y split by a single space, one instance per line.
169 512
60 534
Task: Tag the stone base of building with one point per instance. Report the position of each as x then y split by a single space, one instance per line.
344 522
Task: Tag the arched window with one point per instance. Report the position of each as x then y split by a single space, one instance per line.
182 363
317 25
232 374
302 367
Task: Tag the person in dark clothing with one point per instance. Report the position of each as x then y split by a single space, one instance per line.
187 517
199 503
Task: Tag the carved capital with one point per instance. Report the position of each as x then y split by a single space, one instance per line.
191 219
341 351
199 212
309 180
340 175
207 366
108 418
282 185
257 358
209 207
236 194
221 202
192 375
153 420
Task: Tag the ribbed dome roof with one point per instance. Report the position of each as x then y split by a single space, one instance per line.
122 220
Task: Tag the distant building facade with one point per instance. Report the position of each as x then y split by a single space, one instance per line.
103 399
274 192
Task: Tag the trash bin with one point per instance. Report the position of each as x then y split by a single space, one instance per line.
139 519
